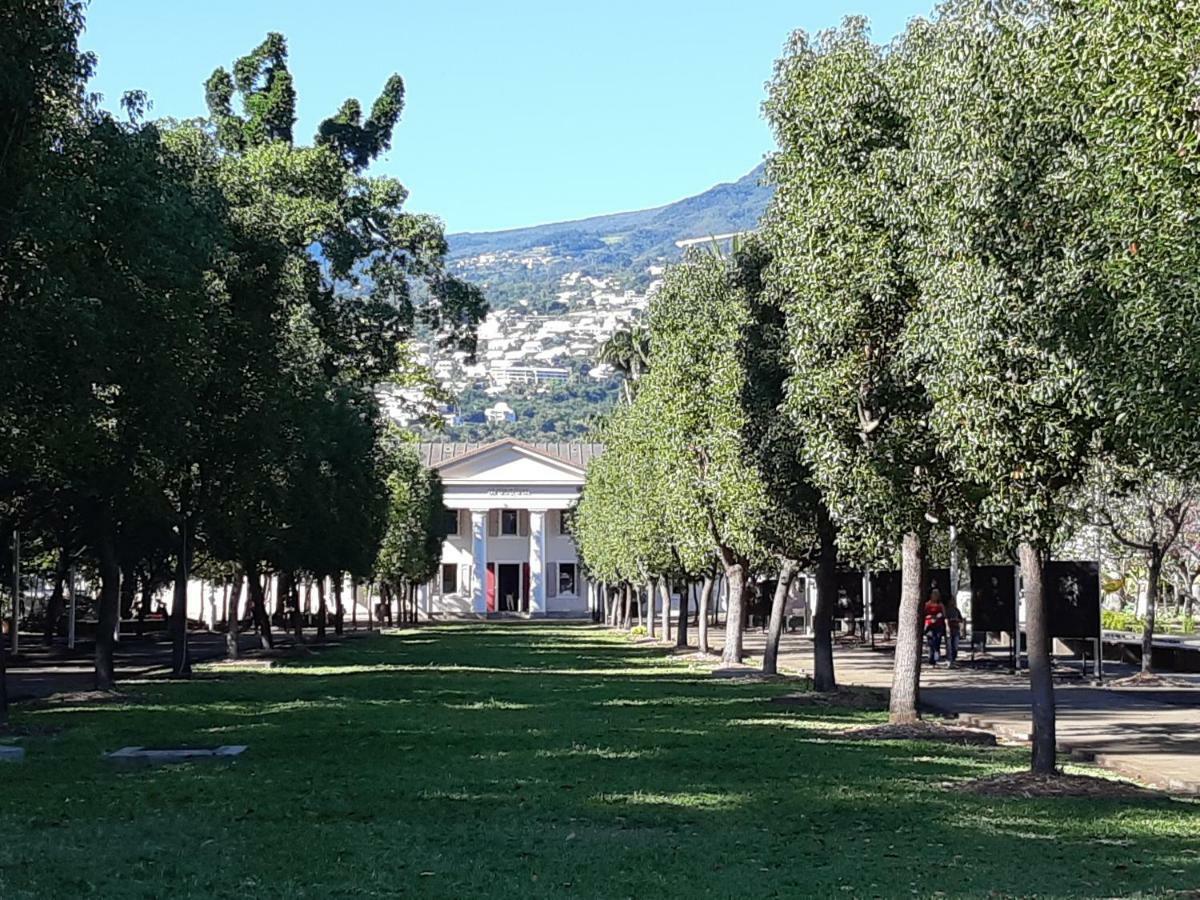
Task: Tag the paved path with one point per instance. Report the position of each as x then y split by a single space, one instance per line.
1152 735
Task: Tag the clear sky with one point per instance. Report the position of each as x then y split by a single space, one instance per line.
519 112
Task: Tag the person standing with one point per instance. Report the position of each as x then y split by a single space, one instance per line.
954 627
935 624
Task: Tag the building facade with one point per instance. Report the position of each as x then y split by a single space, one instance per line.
508 549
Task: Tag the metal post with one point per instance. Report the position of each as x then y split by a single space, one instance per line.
16 592
71 614
1017 621
869 605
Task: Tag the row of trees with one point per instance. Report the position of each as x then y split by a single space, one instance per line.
195 317
976 286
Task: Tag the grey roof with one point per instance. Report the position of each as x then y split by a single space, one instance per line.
440 453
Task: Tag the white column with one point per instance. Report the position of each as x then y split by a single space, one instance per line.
537 562
479 523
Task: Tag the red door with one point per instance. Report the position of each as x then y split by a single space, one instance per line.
491 587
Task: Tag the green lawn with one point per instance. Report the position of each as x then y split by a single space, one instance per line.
515 761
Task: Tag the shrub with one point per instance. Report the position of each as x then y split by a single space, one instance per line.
1119 620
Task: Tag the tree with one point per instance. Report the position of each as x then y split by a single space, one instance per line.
695 385
627 351
1052 156
1145 515
795 525
196 317
839 234
411 549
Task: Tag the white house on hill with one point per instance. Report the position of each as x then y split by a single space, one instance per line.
508 514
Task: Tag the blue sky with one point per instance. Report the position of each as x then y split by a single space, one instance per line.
519 112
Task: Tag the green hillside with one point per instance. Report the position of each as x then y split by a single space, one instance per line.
633 236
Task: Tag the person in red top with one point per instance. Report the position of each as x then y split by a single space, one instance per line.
935 624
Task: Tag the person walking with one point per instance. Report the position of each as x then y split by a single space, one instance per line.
935 624
954 627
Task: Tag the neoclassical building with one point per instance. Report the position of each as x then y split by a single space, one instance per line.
509 548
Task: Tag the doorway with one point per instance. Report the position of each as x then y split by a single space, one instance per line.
508 587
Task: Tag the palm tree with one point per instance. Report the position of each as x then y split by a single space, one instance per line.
628 351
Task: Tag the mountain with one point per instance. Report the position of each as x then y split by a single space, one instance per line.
557 293
638 235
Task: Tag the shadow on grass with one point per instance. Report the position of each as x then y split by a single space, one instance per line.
529 760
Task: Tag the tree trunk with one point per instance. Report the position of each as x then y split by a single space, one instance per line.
110 608
55 607
147 600
322 608
906 666
706 591
232 622
651 608
181 664
735 576
787 574
292 603
627 617
681 622
664 588
824 678
258 604
281 599
1041 682
339 611
1153 579
128 590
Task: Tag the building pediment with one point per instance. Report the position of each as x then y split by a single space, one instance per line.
509 462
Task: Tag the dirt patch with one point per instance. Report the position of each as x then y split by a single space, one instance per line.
74 698
245 662
922 731
1027 784
870 699
1149 680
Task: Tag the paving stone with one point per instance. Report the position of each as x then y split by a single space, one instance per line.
161 756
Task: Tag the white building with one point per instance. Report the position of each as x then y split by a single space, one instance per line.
500 413
509 547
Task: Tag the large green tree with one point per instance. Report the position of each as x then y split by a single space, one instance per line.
1054 156
839 231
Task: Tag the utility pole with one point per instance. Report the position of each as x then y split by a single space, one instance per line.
16 592
71 614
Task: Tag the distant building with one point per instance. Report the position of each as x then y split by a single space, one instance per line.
508 548
506 375
500 413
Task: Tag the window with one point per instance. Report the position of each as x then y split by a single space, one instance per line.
452 521
449 578
566 579
566 522
508 521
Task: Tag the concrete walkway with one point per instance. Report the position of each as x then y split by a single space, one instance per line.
1149 734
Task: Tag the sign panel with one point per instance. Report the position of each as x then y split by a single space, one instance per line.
1073 599
886 588
849 596
993 598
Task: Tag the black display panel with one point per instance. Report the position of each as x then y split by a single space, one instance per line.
886 588
993 598
1073 599
885 597
849 596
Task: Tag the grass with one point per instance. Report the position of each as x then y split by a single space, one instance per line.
527 761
